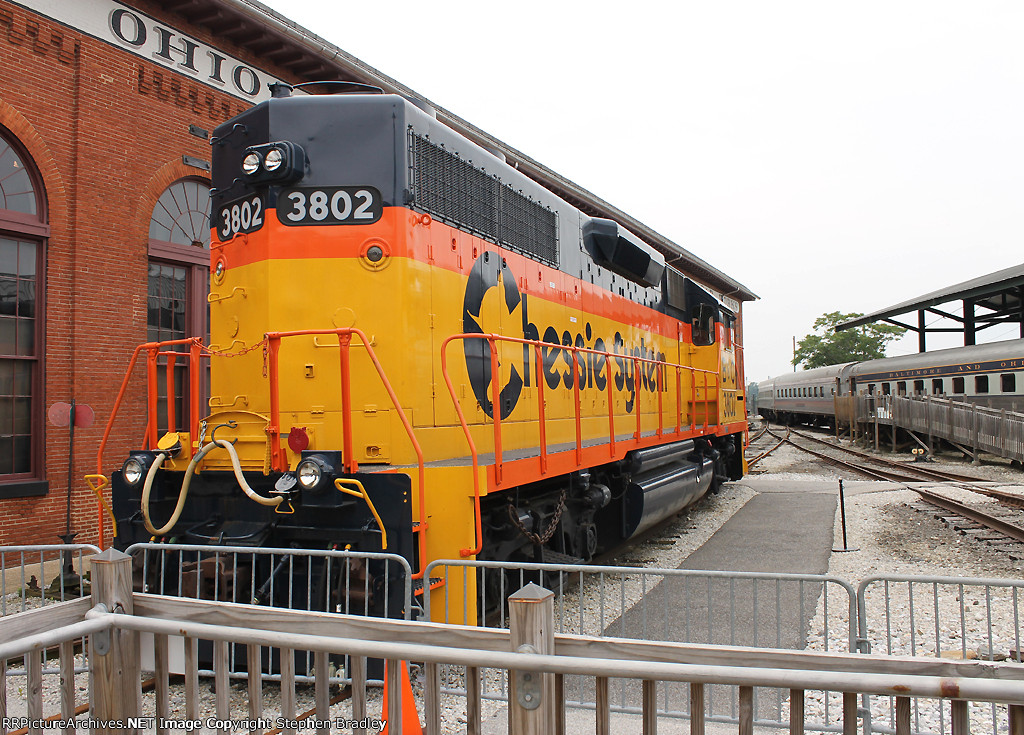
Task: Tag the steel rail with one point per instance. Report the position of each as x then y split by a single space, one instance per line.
872 473
923 473
966 482
762 455
1006 528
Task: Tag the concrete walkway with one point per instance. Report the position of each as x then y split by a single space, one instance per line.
785 529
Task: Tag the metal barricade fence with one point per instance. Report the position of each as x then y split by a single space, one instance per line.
25 571
349 582
948 617
945 617
689 606
35 576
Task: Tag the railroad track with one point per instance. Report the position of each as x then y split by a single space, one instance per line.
882 469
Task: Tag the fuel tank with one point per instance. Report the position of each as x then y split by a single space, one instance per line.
653 495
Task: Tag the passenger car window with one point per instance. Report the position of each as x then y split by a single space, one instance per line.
981 384
1008 382
958 385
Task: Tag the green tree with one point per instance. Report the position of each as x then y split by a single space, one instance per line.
829 347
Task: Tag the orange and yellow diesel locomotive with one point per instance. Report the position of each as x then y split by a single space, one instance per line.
416 348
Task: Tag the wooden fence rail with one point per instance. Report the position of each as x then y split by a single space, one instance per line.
536 661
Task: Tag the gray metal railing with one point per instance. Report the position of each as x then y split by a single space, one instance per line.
940 617
346 582
538 661
996 431
42 574
688 606
936 617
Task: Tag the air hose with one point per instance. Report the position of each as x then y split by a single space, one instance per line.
189 472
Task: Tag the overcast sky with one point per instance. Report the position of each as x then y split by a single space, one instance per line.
829 156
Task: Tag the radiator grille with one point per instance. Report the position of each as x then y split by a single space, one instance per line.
454 190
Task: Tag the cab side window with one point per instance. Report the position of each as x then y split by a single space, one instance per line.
703 325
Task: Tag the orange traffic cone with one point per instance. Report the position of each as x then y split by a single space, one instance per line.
410 717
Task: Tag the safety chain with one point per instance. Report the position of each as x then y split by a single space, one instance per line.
539 540
224 353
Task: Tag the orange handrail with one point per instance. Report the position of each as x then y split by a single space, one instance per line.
344 342
496 407
153 350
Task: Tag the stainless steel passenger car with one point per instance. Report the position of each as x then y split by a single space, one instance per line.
802 397
989 374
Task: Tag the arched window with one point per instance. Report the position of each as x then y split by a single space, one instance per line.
23 232
179 278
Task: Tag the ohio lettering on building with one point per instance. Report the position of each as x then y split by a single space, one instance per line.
105 110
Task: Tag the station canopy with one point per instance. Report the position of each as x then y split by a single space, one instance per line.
989 301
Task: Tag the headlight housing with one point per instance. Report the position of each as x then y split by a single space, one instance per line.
251 163
273 159
281 162
135 468
314 473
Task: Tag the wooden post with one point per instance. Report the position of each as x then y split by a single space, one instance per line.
531 701
603 715
67 685
796 712
288 690
649 695
849 713
115 692
746 712
697 723
1016 719
959 717
902 715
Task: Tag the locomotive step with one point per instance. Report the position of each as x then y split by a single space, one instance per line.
417 585
557 557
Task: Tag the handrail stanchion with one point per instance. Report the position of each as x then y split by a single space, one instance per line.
495 407
472 447
707 403
421 473
611 406
576 401
273 428
636 397
658 388
195 367
152 350
274 345
152 389
541 411
679 399
344 345
693 399
172 417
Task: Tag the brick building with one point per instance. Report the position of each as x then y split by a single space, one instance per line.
105 109
105 113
